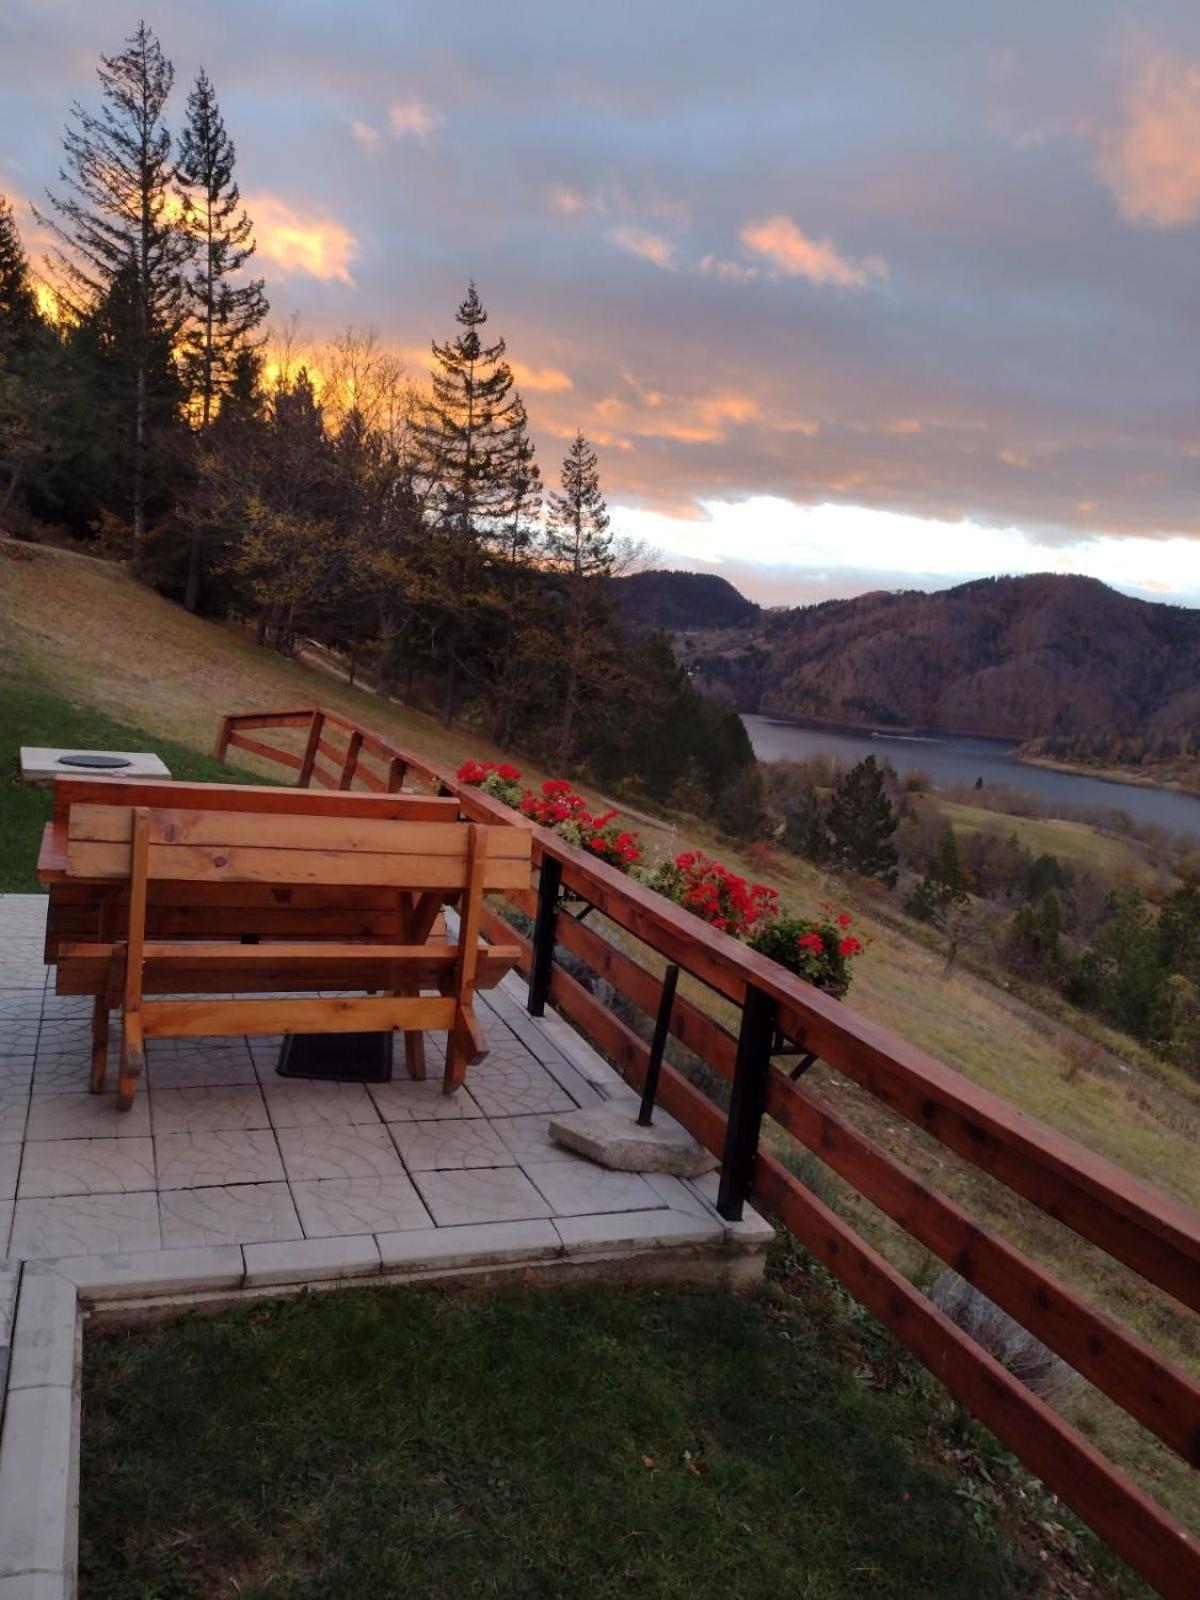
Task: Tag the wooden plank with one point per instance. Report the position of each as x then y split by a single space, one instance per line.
690 1025
324 776
195 825
370 780
331 752
1116 1360
132 1055
271 719
262 798
1140 1532
177 826
250 864
185 1019
268 752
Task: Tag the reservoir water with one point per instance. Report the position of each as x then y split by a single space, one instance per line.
951 758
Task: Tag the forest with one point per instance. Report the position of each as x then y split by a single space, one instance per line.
320 495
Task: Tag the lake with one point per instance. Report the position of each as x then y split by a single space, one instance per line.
952 758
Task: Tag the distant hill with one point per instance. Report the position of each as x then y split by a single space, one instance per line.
680 602
1014 657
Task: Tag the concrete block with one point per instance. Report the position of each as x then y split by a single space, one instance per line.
43 763
627 1231
305 1260
752 1229
153 1272
483 1243
38 1468
43 1348
611 1136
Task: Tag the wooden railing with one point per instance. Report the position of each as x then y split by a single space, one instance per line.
1146 1230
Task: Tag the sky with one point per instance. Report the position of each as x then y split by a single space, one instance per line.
847 297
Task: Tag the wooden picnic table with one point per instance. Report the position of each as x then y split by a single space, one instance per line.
219 889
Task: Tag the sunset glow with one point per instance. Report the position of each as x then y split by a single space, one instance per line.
762 268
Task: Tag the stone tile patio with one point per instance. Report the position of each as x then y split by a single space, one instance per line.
219 1151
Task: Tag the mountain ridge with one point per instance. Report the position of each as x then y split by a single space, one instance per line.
1023 657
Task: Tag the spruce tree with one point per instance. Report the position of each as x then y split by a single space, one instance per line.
224 314
520 654
944 884
18 303
583 555
862 822
22 338
466 436
114 219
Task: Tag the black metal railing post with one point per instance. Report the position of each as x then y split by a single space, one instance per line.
658 1045
747 1103
549 883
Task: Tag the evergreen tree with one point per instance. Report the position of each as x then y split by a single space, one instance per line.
519 668
18 303
582 553
223 314
114 224
467 439
23 337
944 884
862 822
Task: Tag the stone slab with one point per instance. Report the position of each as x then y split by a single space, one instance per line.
38 1478
610 1136
153 1272
43 1348
635 1230
484 1243
305 1260
41 764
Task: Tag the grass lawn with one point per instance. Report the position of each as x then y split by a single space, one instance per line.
31 713
583 1442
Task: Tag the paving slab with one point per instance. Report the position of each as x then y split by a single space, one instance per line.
123 1276
241 1213
440 1146
216 1157
387 1204
470 1245
498 1194
305 1260
85 1225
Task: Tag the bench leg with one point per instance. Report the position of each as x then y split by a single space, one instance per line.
465 1045
414 1055
99 1043
133 1061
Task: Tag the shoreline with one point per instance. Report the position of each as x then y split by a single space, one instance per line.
1138 780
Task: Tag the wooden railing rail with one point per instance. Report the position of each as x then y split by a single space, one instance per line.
1147 1231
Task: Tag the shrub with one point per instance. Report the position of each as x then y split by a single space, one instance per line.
703 886
818 950
1029 1361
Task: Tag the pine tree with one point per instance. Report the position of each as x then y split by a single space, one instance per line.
18 303
944 884
862 822
582 554
114 220
223 314
520 651
22 334
467 439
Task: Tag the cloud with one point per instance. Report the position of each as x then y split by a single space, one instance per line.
643 242
795 255
543 380
412 118
728 271
567 202
1151 159
370 138
315 246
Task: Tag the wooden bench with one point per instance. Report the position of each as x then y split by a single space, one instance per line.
418 865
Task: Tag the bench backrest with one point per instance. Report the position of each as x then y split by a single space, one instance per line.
69 792
239 847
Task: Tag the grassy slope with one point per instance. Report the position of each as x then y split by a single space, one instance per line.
77 628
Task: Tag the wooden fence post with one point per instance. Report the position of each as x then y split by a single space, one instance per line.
222 744
348 765
310 749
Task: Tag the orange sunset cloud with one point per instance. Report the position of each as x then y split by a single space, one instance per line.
316 246
792 253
